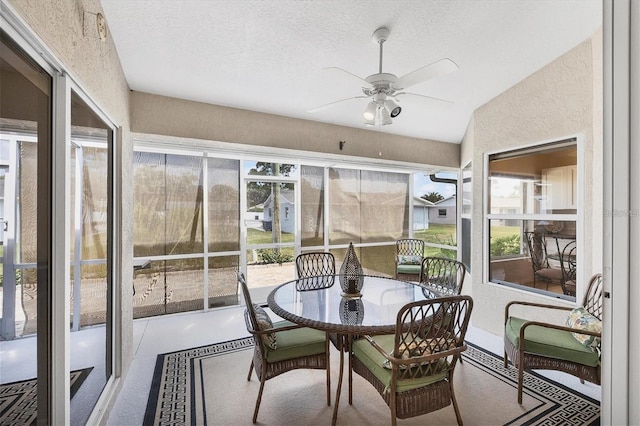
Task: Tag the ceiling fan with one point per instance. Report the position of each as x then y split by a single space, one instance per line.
384 88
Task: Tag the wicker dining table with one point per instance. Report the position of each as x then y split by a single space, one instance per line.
318 302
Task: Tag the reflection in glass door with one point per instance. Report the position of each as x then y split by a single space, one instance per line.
25 155
270 226
91 285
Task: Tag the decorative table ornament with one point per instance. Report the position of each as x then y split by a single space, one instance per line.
351 311
351 279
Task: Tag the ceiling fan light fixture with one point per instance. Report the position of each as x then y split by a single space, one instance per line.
393 108
385 118
369 113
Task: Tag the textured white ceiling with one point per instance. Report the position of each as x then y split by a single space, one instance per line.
268 55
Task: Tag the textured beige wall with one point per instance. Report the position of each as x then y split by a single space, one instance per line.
95 66
153 114
559 100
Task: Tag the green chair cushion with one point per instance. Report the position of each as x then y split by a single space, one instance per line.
409 269
296 343
374 361
550 342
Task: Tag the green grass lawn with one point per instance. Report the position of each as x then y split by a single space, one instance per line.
504 231
438 234
256 236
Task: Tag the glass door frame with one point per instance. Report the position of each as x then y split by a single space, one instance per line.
244 245
53 336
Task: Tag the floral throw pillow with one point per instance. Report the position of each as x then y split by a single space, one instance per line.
409 260
579 318
264 323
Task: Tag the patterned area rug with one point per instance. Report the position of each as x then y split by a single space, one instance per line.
208 385
18 399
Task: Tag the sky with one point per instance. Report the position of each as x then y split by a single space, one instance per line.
422 185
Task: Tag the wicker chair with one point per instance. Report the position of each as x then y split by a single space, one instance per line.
539 261
568 265
313 264
296 347
409 255
413 374
442 276
540 345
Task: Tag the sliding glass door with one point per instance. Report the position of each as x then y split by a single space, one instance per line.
56 243
270 225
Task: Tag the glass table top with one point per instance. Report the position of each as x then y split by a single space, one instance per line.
327 308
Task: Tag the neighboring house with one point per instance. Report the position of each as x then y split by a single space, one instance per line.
287 212
421 213
506 205
444 211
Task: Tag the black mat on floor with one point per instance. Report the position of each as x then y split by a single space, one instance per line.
18 399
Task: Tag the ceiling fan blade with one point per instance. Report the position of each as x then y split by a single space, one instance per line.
425 97
330 104
442 67
344 73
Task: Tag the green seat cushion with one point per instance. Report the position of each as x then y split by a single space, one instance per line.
296 343
409 269
550 342
374 361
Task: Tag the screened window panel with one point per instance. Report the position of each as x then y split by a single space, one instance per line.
223 188
223 280
27 202
183 204
312 205
384 206
344 206
94 295
168 204
148 204
169 286
94 203
368 206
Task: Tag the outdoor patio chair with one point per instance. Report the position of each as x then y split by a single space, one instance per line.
540 345
540 262
413 368
313 264
409 255
282 346
568 265
442 276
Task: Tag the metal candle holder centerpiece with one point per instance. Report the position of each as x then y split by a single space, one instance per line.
351 279
351 311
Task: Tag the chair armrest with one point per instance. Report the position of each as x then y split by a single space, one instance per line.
274 329
532 304
416 360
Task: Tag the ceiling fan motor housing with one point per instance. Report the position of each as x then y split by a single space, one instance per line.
382 83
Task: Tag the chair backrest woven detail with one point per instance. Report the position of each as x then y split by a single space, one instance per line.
593 297
410 247
434 328
442 275
249 313
537 250
315 263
